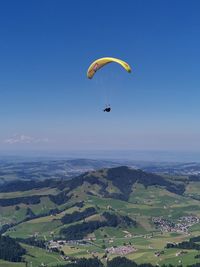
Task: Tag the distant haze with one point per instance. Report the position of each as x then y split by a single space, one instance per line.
132 155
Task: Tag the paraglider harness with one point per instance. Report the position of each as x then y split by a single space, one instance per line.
107 108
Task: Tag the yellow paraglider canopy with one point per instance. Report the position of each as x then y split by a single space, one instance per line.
99 63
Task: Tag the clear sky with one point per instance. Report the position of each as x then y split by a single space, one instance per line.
47 102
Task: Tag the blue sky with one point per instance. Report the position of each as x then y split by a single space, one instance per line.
46 101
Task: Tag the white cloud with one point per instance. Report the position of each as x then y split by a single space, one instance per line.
24 139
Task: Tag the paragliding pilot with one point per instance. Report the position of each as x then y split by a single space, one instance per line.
107 108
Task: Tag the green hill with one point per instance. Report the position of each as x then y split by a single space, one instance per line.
110 207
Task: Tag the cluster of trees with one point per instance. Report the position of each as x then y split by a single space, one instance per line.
10 249
79 204
29 213
113 220
186 244
77 216
127 221
129 177
4 202
78 231
194 178
195 239
5 227
124 262
197 256
91 262
60 198
32 241
19 185
95 262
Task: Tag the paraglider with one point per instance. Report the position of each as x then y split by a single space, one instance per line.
101 62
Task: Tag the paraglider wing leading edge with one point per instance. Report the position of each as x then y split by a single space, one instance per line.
99 63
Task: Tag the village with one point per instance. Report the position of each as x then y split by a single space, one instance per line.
121 250
182 226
